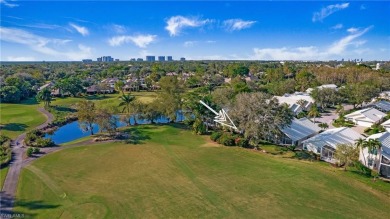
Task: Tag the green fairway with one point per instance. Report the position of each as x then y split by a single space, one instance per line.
172 173
3 174
110 99
18 118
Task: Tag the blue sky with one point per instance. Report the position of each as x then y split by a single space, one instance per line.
255 30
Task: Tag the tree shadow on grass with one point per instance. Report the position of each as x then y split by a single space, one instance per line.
178 125
136 135
97 97
7 203
14 127
64 109
31 101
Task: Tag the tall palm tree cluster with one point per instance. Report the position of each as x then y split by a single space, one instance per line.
373 146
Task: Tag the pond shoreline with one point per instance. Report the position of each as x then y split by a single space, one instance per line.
70 130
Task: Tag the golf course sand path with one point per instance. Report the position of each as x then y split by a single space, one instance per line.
11 181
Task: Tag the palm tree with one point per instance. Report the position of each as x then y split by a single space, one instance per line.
302 103
119 86
339 109
373 145
126 103
323 126
313 113
361 144
45 96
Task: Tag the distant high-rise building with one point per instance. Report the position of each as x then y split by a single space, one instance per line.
132 59
140 60
87 60
117 60
150 58
182 59
105 59
169 58
342 59
161 58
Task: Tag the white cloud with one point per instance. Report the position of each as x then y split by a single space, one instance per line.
339 46
140 40
189 43
42 26
330 9
47 46
362 7
284 53
10 5
20 58
237 24
211 41
176 23
352 30
119 28
337 26
82 30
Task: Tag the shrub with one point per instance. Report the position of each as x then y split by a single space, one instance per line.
44 142
227 139
36 150
3 139
301 115
5 150
305 155
291 147
362 169
215 136
29 152
242 142
199 127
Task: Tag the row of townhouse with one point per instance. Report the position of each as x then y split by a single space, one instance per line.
306 135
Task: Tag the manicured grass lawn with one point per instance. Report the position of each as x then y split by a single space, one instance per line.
19 118
3 174
110 99
172 173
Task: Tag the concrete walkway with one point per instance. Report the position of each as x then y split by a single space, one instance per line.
11 181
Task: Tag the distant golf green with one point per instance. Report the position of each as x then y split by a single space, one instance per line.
18 118
172 173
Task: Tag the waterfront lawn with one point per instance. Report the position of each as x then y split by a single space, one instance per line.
111 99
19 118
172 173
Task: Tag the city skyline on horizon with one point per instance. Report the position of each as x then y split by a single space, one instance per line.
76 30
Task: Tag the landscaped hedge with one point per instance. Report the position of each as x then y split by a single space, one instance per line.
215 136
229 139
35 138
5 150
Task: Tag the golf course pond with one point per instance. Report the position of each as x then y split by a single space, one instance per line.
72 131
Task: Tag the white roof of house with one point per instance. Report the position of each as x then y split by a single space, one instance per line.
386 124
291 99
295 107
300 129
383 105
334 137
333 86
369 115
384 138
47 85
